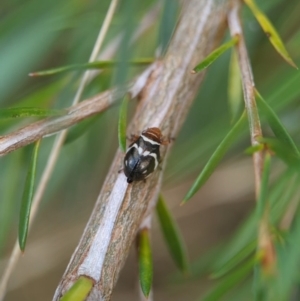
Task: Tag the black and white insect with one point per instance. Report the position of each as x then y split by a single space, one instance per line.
142 156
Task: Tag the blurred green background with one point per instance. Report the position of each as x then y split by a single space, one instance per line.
38 35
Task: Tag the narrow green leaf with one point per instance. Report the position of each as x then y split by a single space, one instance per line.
235 260
230 281
260 292
262 199
122 126
167 23
288 259
275 124
80 129
235 98
270 31
79 290
254 149
245 234
10 179
172 235
282 193
283 188
89 66
28 112
202 265
27 198
214 55
217 157
283 152
145 262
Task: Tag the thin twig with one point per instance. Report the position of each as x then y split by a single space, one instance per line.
147 21
74 114
49 126
265 242
249 91
55 152
96 49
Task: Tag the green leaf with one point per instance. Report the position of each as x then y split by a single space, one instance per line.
262 199
230 281
27 198
288 259
10 179
254 149
214 55
282 193
122 126
172 235
245 234
283 152
235 260
260 291
286 91
167 23
80 129
145 262
202 265
217 157
79 290
270 31
89 66
235 98
28 112
276 125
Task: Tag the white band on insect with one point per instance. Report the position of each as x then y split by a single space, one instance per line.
149 140
129 148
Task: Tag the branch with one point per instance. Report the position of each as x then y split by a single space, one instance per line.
265 241
46 127
147 21
74 114
249 91
164 103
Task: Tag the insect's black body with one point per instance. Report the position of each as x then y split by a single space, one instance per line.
142 156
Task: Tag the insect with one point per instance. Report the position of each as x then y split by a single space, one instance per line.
142 156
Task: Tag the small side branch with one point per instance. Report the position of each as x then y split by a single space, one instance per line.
74 114
249 91
265 243
49 126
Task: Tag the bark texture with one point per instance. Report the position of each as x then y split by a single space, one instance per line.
164 103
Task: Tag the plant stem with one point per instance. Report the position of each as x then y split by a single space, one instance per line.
249 92
265 242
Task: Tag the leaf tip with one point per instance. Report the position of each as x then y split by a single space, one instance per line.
146 295
187 197
294 65
183 202
193 71
290 61
22 246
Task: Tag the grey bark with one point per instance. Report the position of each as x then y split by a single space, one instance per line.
164 103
